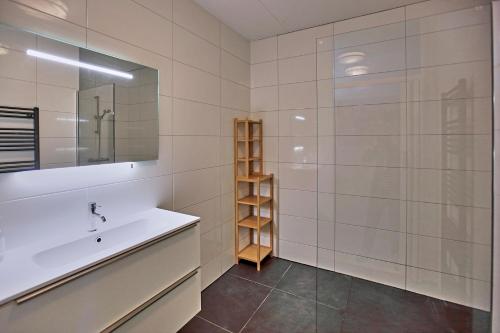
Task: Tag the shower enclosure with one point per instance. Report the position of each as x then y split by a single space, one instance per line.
96 125
384 150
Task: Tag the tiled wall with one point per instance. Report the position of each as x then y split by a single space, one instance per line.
378 129
204 82
26 82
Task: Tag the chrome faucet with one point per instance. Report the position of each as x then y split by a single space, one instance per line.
93 213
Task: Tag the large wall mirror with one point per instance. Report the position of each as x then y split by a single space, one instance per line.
65 106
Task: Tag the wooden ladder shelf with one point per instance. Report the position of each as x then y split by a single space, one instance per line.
250 183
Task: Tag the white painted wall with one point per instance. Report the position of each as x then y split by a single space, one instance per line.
204 83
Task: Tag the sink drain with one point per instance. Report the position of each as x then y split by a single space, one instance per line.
98 239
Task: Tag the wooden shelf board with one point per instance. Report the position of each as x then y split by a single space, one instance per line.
253 178
252 200
250 253
244 159
251 222
251 140
242 121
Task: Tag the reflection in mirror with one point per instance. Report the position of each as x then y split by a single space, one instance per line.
84 107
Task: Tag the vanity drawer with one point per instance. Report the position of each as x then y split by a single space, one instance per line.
169 313
98 299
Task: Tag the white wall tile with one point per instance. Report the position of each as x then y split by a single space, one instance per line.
235 69
326 235
448 221
386 119
370 21
195 152
370 269
235 96
16 64
193 84
298 230
298 252
448 20
298 122
208 211
52 98
298 203
160 7
297 96
449 287
195 186
463 80
302 42
264 99
29 19
57 124
434 7
192 118
387 214
459 152
264 50
297 69
370 181
375 58
370 150
326 259
102 16
195 51
372 35
298 149
235 44
468 188
370 89
264 74
18 93
372 243
324 65
269 122
472 116
449 256
192 17
298 176
449 46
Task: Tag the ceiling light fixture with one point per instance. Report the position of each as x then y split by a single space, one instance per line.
356 70
349 58
66 61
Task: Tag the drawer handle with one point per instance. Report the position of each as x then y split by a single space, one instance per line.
90 269
149 302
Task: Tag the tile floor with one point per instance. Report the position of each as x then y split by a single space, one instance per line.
289 297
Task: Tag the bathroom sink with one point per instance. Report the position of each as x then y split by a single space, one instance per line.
92 244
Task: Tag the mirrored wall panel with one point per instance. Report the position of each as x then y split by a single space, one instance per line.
66 106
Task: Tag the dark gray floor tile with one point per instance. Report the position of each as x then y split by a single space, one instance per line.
300 280
286 313
230 301
317 284
333 288
198 325
272 270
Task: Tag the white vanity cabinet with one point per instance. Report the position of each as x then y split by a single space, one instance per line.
153 288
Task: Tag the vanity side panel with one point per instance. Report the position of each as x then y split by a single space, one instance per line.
98 299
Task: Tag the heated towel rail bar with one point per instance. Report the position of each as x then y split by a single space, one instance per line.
16 136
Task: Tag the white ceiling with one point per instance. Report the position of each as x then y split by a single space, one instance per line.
257 19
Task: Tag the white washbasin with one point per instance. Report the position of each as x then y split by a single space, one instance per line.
35 265
92 244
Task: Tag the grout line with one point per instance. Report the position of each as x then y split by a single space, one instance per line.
253 314
214 324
